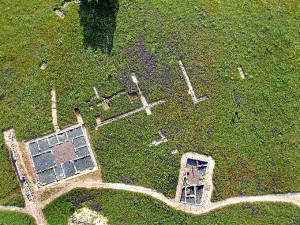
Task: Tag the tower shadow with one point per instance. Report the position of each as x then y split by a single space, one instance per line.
98 19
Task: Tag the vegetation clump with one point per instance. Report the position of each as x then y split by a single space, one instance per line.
98 19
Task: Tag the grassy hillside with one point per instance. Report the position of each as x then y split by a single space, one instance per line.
248 126
122 207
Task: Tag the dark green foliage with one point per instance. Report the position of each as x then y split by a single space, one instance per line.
2 95
98 19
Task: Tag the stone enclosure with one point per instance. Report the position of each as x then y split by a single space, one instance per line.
57 156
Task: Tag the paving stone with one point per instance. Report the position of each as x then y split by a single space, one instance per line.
84 163
43 162
44 145
75 132
62 137
46 177
59 172
53 140
34 148
79 131
79 142
83 151
69 169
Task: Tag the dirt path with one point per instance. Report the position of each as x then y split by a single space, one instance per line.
116 186
293 198
288 197
14 209
36 210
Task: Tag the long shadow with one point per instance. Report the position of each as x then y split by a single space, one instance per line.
98 19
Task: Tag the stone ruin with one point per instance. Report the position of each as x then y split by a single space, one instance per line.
195 179
60 155
132 97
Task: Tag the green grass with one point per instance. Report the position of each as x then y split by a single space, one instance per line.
9 218
250 127
121 207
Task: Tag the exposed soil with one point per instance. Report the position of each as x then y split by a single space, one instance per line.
47 193
27 162
87 216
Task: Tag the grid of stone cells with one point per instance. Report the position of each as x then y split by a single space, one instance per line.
62 155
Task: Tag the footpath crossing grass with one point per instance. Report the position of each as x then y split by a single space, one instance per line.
121 207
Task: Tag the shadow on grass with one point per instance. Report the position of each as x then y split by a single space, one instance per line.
98 19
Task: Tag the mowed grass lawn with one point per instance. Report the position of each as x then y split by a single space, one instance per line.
121 207
250 127
9 218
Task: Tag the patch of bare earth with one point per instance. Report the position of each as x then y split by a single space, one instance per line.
47 193
86 216
27 161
